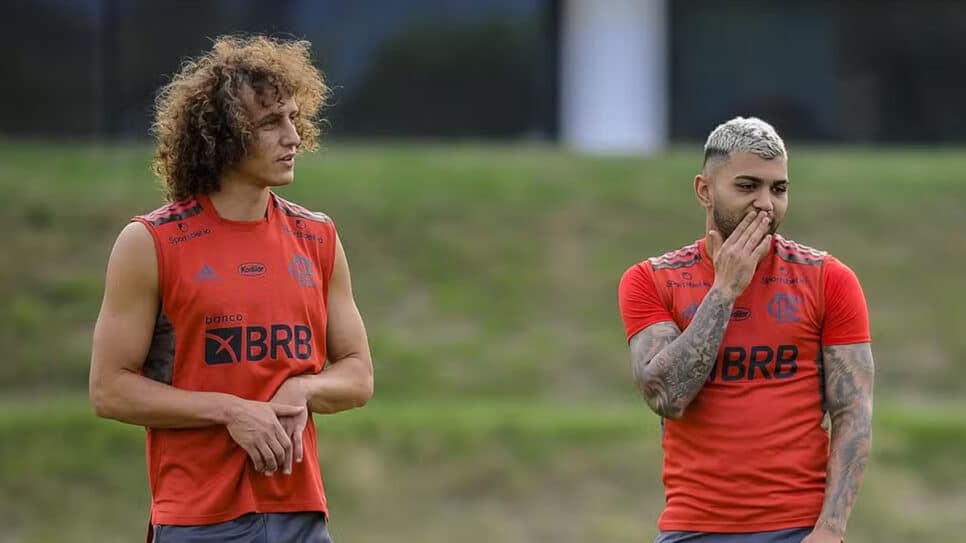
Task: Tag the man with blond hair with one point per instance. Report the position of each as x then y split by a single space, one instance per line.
743 342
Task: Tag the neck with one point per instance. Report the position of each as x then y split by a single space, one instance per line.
238 201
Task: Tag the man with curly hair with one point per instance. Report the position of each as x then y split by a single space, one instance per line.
228 314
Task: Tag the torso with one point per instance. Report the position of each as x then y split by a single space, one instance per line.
243 307
749 454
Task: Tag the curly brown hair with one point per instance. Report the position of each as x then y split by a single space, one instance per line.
201 124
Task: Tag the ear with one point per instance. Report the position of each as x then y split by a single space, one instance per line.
702 190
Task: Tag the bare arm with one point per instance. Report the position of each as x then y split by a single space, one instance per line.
849 373
122 337
347 381
669 366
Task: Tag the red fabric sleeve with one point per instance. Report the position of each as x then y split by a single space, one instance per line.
640 303
846 314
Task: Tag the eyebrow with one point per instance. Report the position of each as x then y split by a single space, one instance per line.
760 180
269 117
275 115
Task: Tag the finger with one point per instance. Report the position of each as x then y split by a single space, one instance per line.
271 462
297 450
273 453
268 458
757 231
291 430
284 444
741 239
762 248
288 427
285 410
287 467
277 458
256 457
737 236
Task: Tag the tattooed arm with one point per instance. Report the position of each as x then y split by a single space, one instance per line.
849 371
669 366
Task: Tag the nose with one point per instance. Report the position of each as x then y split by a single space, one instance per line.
290 137
763 201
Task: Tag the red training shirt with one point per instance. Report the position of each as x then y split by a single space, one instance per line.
749 454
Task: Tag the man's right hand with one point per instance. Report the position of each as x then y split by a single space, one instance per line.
256 428
736 258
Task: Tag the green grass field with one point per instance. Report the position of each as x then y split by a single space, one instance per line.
487 277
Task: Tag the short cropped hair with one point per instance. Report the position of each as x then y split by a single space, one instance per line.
749 134
201 124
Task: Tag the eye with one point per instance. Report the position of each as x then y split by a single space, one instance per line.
746 186
780 189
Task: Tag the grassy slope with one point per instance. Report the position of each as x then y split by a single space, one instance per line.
414 471
493 271
487 277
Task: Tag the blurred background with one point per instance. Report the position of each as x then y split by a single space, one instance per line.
493 167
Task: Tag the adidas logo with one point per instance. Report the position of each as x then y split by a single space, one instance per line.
206 274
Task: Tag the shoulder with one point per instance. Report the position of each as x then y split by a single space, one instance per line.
646 272
835 274
796 253
684 257
296 211
171 212
134 255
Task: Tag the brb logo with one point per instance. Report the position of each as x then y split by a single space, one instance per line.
758 362
234 344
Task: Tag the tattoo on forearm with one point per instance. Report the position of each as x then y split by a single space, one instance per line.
671 367
849 372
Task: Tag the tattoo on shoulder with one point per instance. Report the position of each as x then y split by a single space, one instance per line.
849 374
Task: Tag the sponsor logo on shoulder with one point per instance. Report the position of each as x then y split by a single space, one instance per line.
301 232
252 269
782 278
186 235
687 281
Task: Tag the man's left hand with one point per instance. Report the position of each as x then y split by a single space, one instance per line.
821 535
293 393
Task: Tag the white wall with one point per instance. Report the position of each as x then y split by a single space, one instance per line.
614 75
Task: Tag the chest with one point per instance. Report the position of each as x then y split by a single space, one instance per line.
781 309
232 277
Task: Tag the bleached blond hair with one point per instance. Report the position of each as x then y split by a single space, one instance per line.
749 134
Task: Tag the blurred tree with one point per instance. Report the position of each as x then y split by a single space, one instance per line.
468 79
49 52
